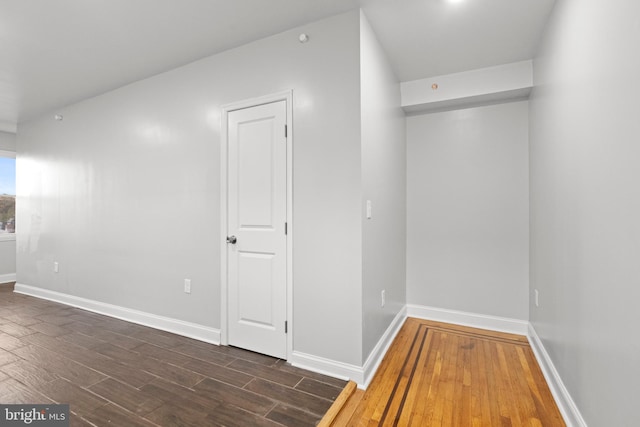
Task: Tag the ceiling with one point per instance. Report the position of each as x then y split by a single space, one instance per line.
53 53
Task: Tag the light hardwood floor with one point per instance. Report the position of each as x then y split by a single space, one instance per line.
438 374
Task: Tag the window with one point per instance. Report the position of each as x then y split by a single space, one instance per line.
7 195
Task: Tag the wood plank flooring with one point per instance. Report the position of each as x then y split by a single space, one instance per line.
437 374
117 373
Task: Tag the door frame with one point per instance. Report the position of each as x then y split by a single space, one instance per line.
286 96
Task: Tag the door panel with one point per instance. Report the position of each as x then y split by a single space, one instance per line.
257 287
255 283
256 192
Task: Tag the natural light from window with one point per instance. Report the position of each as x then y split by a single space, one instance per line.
7 195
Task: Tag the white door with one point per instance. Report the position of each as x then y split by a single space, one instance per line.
256 248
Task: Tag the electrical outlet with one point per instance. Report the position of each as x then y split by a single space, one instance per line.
56 267
187 286
382 298
535 292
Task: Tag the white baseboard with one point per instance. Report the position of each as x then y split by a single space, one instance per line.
362 375
180 327
7 278
380 350
474 320
332 368
566 405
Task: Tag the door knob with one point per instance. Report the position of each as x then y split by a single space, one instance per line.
232 239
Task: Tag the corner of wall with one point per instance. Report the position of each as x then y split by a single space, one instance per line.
383 203
362 375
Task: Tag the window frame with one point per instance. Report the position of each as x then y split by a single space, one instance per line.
7 237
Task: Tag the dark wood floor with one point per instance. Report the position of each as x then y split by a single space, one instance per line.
121 374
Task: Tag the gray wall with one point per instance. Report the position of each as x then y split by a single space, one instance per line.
7 247
467 229
7 259
384 183
585 204
124 192
7 141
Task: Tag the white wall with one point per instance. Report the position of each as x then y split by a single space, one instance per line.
467 228
384 184
7 247
124 192
585 204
